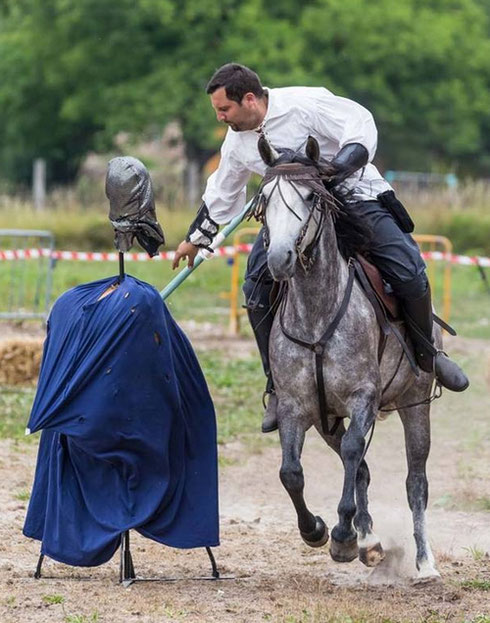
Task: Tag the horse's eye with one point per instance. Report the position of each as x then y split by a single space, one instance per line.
310 197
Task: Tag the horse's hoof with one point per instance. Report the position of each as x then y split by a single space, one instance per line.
427 574
344 551
423 580
371 556
318 536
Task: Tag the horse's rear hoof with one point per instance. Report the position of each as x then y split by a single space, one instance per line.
318 536
371 556
344 551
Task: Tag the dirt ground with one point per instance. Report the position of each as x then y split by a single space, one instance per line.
275 577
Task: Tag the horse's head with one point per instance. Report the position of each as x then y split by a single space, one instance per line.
292 204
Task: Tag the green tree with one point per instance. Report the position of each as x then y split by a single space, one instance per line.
420 66
74 74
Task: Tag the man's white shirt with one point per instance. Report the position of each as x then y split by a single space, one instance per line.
293 114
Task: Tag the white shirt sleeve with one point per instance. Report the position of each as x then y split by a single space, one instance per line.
226 188
343 121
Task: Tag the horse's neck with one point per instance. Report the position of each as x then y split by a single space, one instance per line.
314 297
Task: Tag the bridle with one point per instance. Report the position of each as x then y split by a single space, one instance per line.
322 204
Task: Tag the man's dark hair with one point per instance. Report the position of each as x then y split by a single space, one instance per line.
237 80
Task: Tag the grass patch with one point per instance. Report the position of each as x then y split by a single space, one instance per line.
236 387
23 496
318 614
224 461
15 407
466 500
475 552
53 599
476 585
482 503
202 297
469 299
82 618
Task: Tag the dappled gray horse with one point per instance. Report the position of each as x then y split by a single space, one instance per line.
325 311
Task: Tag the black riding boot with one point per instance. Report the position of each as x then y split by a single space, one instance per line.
418 313
261 319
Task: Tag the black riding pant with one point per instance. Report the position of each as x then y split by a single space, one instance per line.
394 252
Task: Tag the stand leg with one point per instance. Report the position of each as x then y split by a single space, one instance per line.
126 569
121 267
214 572
37 573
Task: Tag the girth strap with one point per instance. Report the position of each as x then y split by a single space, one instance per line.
318 348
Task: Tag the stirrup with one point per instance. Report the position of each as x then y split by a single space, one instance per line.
269 420
267 392
264 394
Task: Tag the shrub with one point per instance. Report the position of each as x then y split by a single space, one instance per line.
468 230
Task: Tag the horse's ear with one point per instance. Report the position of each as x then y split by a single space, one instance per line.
266 152
313 149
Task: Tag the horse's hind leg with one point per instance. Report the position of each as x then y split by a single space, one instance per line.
313 530
417 443
344 544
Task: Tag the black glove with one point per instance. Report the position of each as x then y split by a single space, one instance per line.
203 229
350 158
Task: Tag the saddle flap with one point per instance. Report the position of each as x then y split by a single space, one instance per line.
389 301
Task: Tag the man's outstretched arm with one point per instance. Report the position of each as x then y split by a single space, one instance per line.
223 199
201 233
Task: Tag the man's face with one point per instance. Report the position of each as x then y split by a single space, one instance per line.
240 117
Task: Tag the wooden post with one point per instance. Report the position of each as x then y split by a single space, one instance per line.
39 183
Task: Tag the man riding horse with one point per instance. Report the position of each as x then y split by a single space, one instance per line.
347 137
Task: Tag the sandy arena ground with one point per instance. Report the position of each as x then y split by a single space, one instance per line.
276 576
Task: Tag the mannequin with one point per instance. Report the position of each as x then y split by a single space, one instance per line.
128 425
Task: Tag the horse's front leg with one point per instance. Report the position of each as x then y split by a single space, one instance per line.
370 549
416 425
344 544
371 552
292 428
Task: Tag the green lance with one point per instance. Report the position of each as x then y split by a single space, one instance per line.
203 254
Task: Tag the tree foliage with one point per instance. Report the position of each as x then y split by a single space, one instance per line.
73 74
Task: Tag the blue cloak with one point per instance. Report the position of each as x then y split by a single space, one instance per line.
129 430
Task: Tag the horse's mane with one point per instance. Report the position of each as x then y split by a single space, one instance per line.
353 234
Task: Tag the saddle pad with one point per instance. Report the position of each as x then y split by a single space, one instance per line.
389 301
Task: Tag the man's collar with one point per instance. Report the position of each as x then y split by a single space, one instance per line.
270 111
275 108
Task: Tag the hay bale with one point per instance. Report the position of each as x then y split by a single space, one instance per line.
20 359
